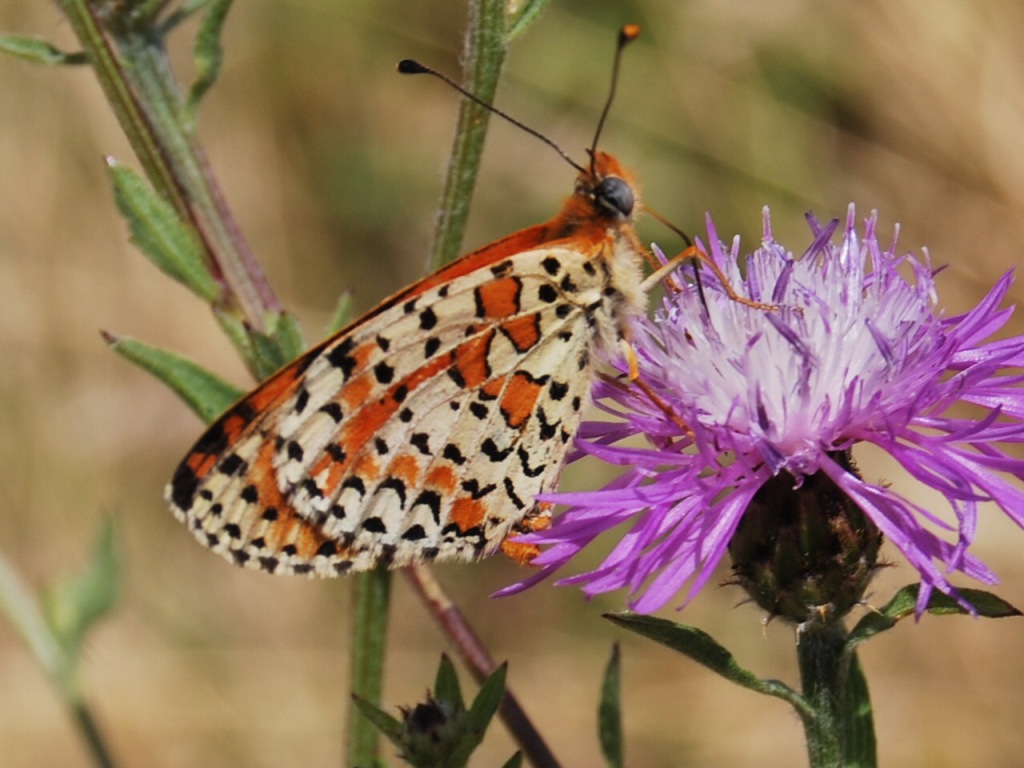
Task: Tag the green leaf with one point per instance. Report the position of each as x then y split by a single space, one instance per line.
267 355
858 728
208 56
74 604
446 684
904 601
20 607
609 715
160 234
704 649
287 334
342 312
384 722
206 394
522 18
516 761
487 700
39 51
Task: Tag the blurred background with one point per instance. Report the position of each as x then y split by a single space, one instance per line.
332 164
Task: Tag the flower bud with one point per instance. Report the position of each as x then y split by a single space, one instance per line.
803 550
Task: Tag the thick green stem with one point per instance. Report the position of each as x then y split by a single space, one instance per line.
369 638
820 654
483 57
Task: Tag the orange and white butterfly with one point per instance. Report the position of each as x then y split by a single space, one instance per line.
426 429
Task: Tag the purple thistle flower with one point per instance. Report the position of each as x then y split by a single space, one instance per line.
855 353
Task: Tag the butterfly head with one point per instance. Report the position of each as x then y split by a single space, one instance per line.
606 189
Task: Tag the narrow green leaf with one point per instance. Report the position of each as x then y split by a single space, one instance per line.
487 700
904 601
20 607
39 51
208 56
479 716
287 334
342 312
159 234
522 17
609 714
74 604
446 685
858 727
206 394
267 353
704 649
516 761
382 721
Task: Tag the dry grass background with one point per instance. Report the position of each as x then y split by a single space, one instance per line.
332 163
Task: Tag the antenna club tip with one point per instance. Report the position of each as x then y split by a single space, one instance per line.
629 33
412 67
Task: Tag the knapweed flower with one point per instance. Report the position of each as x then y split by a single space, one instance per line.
756 406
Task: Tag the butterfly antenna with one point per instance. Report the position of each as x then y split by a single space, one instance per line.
627 34
413 67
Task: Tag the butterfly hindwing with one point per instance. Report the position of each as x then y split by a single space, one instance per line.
423 431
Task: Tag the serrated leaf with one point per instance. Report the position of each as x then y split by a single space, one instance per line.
904 602
206 394
74 604
516 761
159 233
381 720
208 55
609 715
39 51
704 649
446 685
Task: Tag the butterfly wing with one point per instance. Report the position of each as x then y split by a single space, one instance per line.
422 431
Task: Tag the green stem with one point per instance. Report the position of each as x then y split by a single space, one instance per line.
820 655
369 638
126 51
483 57
91 734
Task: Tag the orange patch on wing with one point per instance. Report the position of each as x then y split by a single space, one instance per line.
500 298
443 479
368 419
355 392
288 528
520 400
272 390
406 468
523 332
471 360
468 513
366 467
494 387
201 463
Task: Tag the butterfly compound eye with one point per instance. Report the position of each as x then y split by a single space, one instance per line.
614 196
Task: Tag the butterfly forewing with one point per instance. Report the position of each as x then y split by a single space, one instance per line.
423 431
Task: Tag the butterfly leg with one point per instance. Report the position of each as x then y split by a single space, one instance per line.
634 378
538 519
694 252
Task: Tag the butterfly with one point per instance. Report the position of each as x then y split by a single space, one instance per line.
426 429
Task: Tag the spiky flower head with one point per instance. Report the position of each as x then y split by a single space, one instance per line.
855 353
